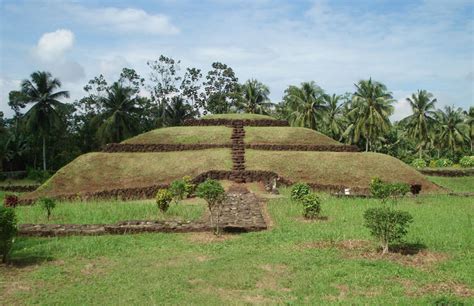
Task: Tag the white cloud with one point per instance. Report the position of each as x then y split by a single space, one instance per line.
128 20
111 66
54 44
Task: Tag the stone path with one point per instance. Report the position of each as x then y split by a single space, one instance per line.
240 212
238 148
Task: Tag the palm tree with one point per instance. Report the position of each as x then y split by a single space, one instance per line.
469 121
451 126
333 115
306 104
372 106
44 116
421 121
254 98
177 111
119 120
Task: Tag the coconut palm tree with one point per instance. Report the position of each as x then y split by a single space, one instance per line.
421 121
333 115
469 121
254 98
372 107
451 128
44 115
177 111
306 104
119 119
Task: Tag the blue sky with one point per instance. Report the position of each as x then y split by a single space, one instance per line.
407 45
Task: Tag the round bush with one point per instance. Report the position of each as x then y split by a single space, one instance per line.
467 161
442 163
311 206
299 190
418 163
8 230
163 199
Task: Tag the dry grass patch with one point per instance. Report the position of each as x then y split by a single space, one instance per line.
286 136
184 135
446 287
208 237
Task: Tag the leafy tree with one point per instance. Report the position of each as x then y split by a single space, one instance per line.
305 103
177 111
43 116
48 205
333 116
372 107
213 192
119 120
451 128
421 121
254 99
469 121
8 230
221 89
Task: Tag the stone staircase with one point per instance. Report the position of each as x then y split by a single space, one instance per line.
238 149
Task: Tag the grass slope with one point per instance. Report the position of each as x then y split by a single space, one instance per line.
237 116
336 168
184 135
286 135
283 265
456 184
102 171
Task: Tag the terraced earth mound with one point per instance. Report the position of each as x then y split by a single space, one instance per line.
238 147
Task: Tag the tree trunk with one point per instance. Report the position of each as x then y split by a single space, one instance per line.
421 153
384 248
44 153
366 145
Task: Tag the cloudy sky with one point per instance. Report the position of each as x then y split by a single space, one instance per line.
407 45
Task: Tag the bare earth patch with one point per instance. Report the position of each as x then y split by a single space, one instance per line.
208 237
448 287
271 276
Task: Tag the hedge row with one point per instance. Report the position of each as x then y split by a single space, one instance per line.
448 172
19 188
122 147
232 122
164 147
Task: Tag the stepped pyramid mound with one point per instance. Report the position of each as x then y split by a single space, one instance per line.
238 147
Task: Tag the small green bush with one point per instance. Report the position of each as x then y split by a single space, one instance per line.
37 175
163 199
213 192
387 225
48 205
311 206
418 163
441 163
467 161
382 190
299 190
178 189
8 230
189 185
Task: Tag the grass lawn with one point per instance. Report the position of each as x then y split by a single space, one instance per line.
286 135
336 168
456 184
184 135
102 171
297 262
106 212
237 116
21 182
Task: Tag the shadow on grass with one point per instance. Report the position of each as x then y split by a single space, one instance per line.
407 248
28 252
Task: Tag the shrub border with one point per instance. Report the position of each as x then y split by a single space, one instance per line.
231 122
447 172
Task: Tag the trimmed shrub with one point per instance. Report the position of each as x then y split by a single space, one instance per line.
299 190
311 206
48 205
383 190
441 163
10 200
418 163
189 185
178 189
163 199
467 161
8 230
387 225
213 192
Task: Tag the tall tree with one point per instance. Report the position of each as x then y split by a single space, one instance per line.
372 107
469 121
421 121
306 104
254 99
332 117
44 115
451 126
119 120
177 111
221 89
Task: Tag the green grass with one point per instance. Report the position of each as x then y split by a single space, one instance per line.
106 212
456 184
237 116
336 168
103 171
286 135
184 135
274 266
21 182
